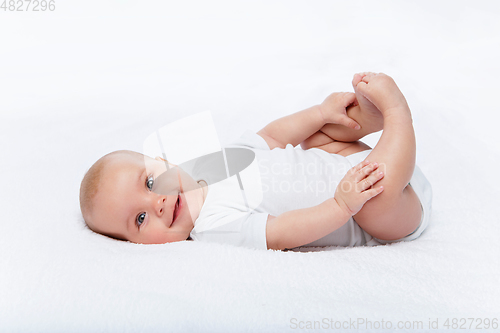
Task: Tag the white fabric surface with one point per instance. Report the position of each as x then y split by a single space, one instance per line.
97 76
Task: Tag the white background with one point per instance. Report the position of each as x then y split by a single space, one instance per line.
96 76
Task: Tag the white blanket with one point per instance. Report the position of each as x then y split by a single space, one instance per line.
96 76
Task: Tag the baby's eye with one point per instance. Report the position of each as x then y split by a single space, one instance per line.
140 219
150 182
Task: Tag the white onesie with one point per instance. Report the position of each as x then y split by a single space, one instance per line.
276 181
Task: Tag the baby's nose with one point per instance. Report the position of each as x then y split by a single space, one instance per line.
161 203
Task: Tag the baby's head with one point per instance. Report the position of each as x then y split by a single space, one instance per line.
129 196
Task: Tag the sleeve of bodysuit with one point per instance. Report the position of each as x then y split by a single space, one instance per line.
239 229
249 139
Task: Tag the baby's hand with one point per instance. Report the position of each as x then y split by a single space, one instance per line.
334 107
355 188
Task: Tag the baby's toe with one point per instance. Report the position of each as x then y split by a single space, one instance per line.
356 79
366 77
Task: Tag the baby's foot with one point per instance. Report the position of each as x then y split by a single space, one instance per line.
381 91
366 106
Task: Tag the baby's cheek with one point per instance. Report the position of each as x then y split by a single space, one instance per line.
157 238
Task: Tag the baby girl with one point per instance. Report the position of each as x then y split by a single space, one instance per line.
366 197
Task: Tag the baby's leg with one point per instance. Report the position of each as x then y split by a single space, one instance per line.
396 212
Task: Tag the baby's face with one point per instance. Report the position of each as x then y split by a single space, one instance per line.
142 201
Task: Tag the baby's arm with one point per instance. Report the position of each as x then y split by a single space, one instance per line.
303 226
295 128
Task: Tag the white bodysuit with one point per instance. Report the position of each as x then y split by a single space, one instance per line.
236 208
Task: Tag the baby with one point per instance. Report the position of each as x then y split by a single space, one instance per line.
378 196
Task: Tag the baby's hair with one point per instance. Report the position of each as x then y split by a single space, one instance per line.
91 180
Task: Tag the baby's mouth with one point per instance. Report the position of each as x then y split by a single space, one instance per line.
177 209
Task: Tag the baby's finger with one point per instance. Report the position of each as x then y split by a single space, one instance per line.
360 166
368 194
369 181
349 122
365 171
349 98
